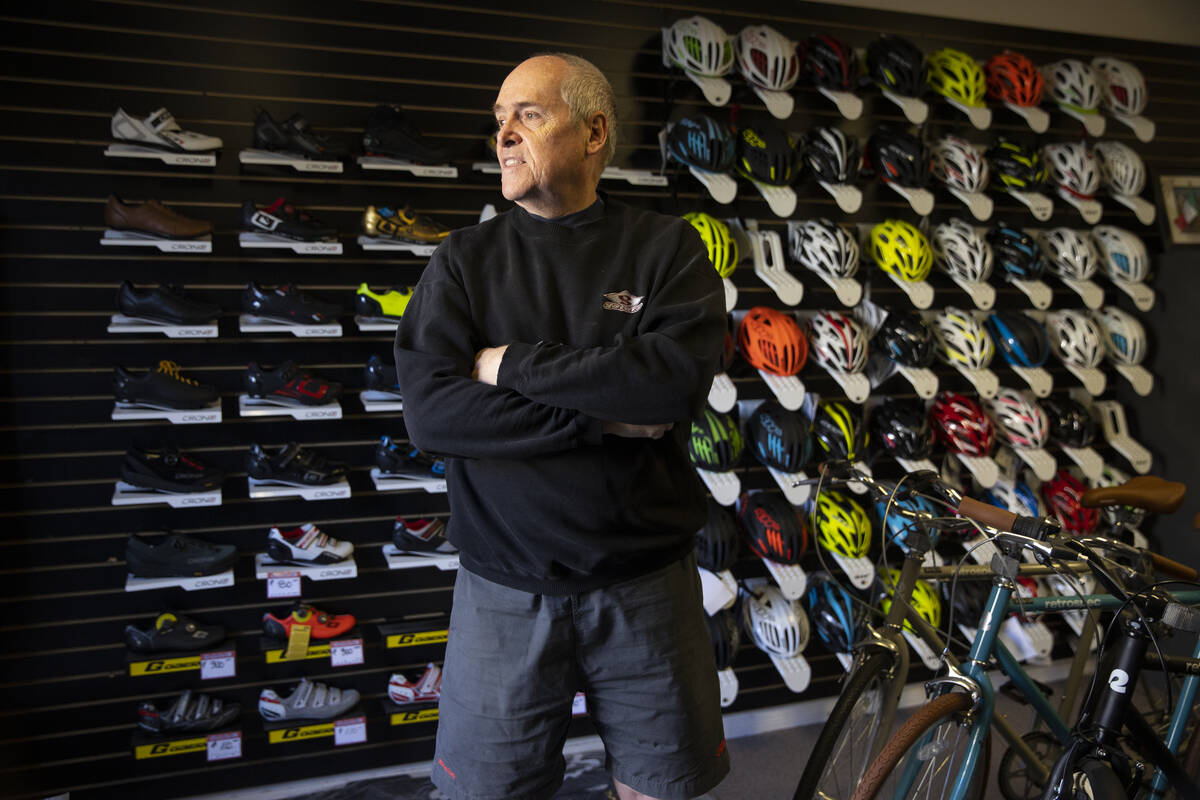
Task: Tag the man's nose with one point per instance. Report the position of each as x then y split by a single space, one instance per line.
507 135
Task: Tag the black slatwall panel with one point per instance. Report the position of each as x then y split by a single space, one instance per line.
67 704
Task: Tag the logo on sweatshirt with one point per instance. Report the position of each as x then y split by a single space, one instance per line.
623 300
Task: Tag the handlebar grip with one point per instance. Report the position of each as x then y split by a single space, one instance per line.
1173 568
987 514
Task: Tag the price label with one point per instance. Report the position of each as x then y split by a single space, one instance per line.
579 705
220 664
345 652
283 584
350 731
222 746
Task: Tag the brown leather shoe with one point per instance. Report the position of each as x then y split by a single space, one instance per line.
154 218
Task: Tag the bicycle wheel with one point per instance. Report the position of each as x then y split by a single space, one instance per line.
840 755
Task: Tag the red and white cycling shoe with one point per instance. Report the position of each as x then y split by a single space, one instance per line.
427 689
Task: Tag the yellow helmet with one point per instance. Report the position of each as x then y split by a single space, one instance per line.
722 247
901 249
955 74
924 601
842 525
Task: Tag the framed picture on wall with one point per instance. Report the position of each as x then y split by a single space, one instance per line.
1179 204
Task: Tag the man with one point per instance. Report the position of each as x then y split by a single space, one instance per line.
555 355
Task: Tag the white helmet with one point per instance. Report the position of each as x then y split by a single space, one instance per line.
700 46
1014 496
1124 336
825 248
1075 338
838 342
1069 253
1021 422
1121 168
1122 85
1072 83
961 251
1111 476
1124 253
766 58
964 341
959 165
1076 584
779 626
1073 168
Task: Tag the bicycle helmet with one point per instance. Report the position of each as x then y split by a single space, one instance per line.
700 46
833 612
772 341
726 637
1022 423
779 626
1124 336
825 248
963 339
960 424
1121 168
715 443
832 156
1019 338
838 342
1069 253
1123 253
1117 515
905 338
1013 78
842 525
959 165
896 64
1073 168
954 74
900 427
840 434
722 247
774 528
898 520
830 63
699 141
1075 338
767 58
961 252
717 541
969 600
778 437
1014 496
898 158
1016 167
1071 83
1070 423
1016 253
767 155
924 598
901 249
1062 494
1121 85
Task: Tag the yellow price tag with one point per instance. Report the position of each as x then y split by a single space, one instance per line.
297 646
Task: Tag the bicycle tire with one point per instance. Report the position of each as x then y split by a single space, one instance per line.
1102 782
832 742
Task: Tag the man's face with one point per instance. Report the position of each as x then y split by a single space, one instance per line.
541 152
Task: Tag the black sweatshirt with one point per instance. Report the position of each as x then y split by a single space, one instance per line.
617 317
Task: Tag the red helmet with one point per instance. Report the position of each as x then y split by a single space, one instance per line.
1062 494
774 528
772 341
960 424
1013 78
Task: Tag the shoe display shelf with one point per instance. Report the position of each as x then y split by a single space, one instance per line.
248 323
171 159
210 414
402 559
344 651
113 237
260 490
278 407
372 243
348 728
252 155
266 570
221 745
251 240
212 665
119 323
126 494
399 165
220 580
387 482
371 324
374 400
409 713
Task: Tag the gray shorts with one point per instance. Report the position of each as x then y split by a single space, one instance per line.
639 650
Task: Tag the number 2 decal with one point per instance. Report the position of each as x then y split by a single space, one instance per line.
1118 679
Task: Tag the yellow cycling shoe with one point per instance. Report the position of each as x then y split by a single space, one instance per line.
388 305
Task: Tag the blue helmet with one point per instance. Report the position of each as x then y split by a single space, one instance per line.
1014 496
897 526
1021 339
833 613
1016 253
701 142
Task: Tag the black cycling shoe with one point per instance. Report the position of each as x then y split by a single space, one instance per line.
422 536
393 459
295 136
164 304
163 387
389 134
289 382
174 555
380 377
287 303
173 632
167 470
293 465
190 713
281 218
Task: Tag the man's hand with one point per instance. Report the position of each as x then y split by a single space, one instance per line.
631 431
487 364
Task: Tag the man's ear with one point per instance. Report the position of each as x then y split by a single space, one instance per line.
597 128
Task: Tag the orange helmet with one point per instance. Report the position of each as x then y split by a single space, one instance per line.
772 341
1013 78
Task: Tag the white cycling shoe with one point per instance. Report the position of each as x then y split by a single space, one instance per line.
309 700
161 130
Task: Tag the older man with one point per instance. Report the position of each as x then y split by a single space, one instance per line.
555 355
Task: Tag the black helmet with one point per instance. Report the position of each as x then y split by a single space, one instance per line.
767 155
898 158
1016 253
1015 166
968 601
699 141
778 437
832 156
715 443
774 528
1070 423
830 63
726 637
833 612
717 541
1019 338
896 64
901 427
839 433
905 338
